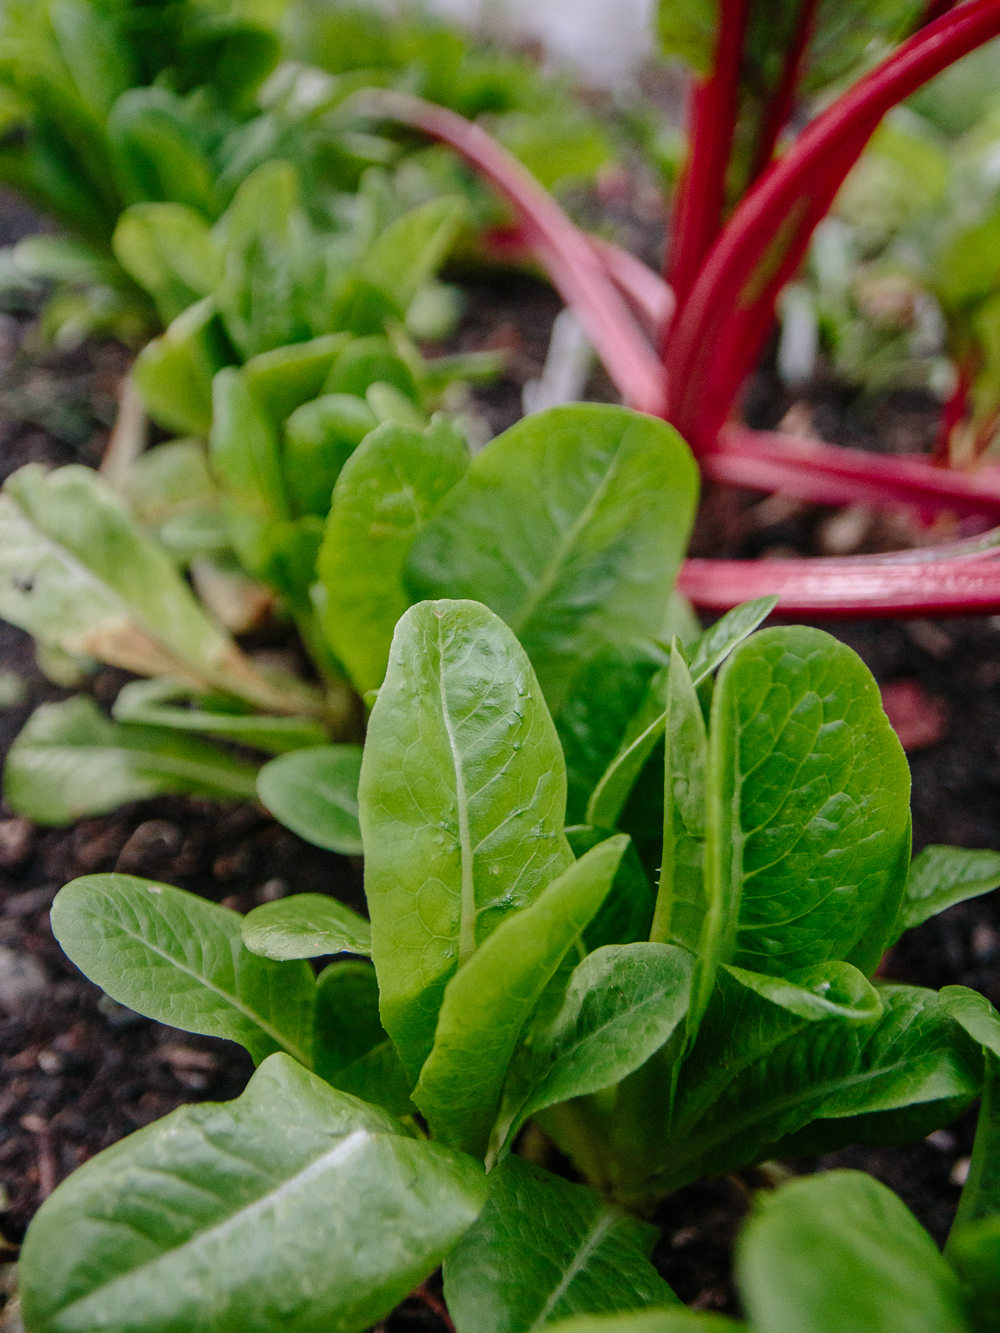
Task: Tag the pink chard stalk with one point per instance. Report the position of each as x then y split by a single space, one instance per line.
683 348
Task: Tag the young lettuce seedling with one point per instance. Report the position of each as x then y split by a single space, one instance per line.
741 1023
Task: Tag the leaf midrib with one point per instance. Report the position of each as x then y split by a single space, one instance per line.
587 1247
467 901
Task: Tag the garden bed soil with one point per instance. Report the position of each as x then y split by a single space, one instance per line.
79 1072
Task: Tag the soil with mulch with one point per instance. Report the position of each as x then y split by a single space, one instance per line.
79 1071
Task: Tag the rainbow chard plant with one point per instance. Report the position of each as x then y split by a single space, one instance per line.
522 971
749 200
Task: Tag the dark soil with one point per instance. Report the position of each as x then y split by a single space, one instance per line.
79 1071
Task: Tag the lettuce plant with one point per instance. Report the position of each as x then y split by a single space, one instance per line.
524 971
743 219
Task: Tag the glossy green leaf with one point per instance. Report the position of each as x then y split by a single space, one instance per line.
490 998
570 526
680 900
622 1003
149 702
174 957
383 496
351 1048
77 571
69 761
644 730
462 795
709 652
758 1075
305 925
650 1321
314 792
320 437
839 1252
544 1250
942 876
247 467
285 378
825 990
174 372
293 1206
168 249
807 808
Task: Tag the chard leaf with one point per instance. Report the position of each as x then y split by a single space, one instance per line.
76 571
489 999
70 761
147 702
351 1048
174 372
942 876
570 526
807 810
306 925
314 792
284 378
680 899
838 1252
622 1004
912 1061
174 957
293 1203
543 1250
383 496
462 795
245 462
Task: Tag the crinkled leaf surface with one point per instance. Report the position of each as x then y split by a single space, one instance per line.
462 796
314 792
384 494
942 876
543 1250
570 526
351 1048
177 958
295 1206
839 1252
807 806
70 761
487 1002
306 925
622 1003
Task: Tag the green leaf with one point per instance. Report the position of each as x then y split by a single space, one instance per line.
293 1206
680 901
174 372
98 60
411 249
314 792
808 807
174 957
758 1075
974 1252
839 1252
171 492
543 1250
320 437
351 1048
69 761
644 730
368 361
981 1191
726 635
650 1321
158 152
147 702
285 378
462 795
490 998
825 990
622 1004
570 526
77 571
243 449
942 876
687 30
306 925
168 249
627 912
383 496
